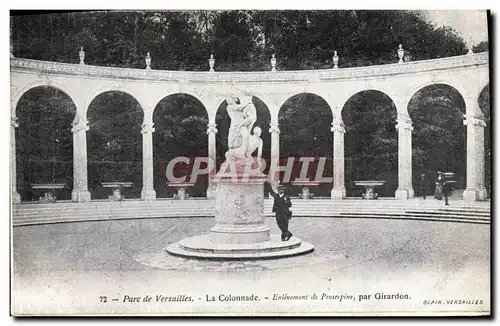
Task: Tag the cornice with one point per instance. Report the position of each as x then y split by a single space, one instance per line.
57 68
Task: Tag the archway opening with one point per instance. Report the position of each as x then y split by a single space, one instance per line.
44 143
114 144
438 137
485 105
305 131
371 142
180 122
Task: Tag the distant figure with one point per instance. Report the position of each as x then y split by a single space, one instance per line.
438 193
281 207
446 191
423 185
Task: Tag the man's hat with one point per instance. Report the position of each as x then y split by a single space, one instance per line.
281 187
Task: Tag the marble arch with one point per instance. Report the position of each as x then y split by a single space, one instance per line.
482 87
437 82
108 89
39 83
304 93
351 95
467 73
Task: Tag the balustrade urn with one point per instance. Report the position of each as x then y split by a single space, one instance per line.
148 61
401 53
82 56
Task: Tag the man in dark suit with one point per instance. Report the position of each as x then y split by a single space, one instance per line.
281 208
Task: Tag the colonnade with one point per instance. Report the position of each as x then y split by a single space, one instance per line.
473 121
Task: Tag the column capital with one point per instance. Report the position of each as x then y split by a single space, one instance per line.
404 123
212 128
13 122
79 123
338 125
274 128
474 121
147 127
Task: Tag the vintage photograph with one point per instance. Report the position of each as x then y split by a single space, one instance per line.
250 163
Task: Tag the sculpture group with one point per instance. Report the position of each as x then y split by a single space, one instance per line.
242 143
240 231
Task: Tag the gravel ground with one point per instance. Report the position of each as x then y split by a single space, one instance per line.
359 266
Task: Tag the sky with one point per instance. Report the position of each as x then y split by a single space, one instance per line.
471 24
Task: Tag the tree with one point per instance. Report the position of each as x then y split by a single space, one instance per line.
481 47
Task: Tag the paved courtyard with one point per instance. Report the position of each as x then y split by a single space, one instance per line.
358 265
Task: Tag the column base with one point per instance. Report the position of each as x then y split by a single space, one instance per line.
403 194
338 193
148 194
475 194
16 198
211 190
80 195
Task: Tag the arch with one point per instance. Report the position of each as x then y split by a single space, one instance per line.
427 85
371 141
482 86
370 89
305 131
114 143
180 122
121 89
486 114
39 83
44 142
182 93
484 102
301 94
421 86
439 138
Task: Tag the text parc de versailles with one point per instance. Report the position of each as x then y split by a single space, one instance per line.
274 297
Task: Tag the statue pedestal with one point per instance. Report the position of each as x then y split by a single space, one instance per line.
240 231
239 211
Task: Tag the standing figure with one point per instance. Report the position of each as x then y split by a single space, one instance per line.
423 185
446 191
281 208
438 193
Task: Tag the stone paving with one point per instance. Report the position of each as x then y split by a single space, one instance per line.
67 268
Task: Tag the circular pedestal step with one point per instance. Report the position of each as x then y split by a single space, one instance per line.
202 247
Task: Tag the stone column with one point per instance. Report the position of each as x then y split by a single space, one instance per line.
148 192
338 190
275 150
80 191
211 132
475 159
405 188
16 198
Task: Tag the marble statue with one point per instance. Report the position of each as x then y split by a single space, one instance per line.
241 142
